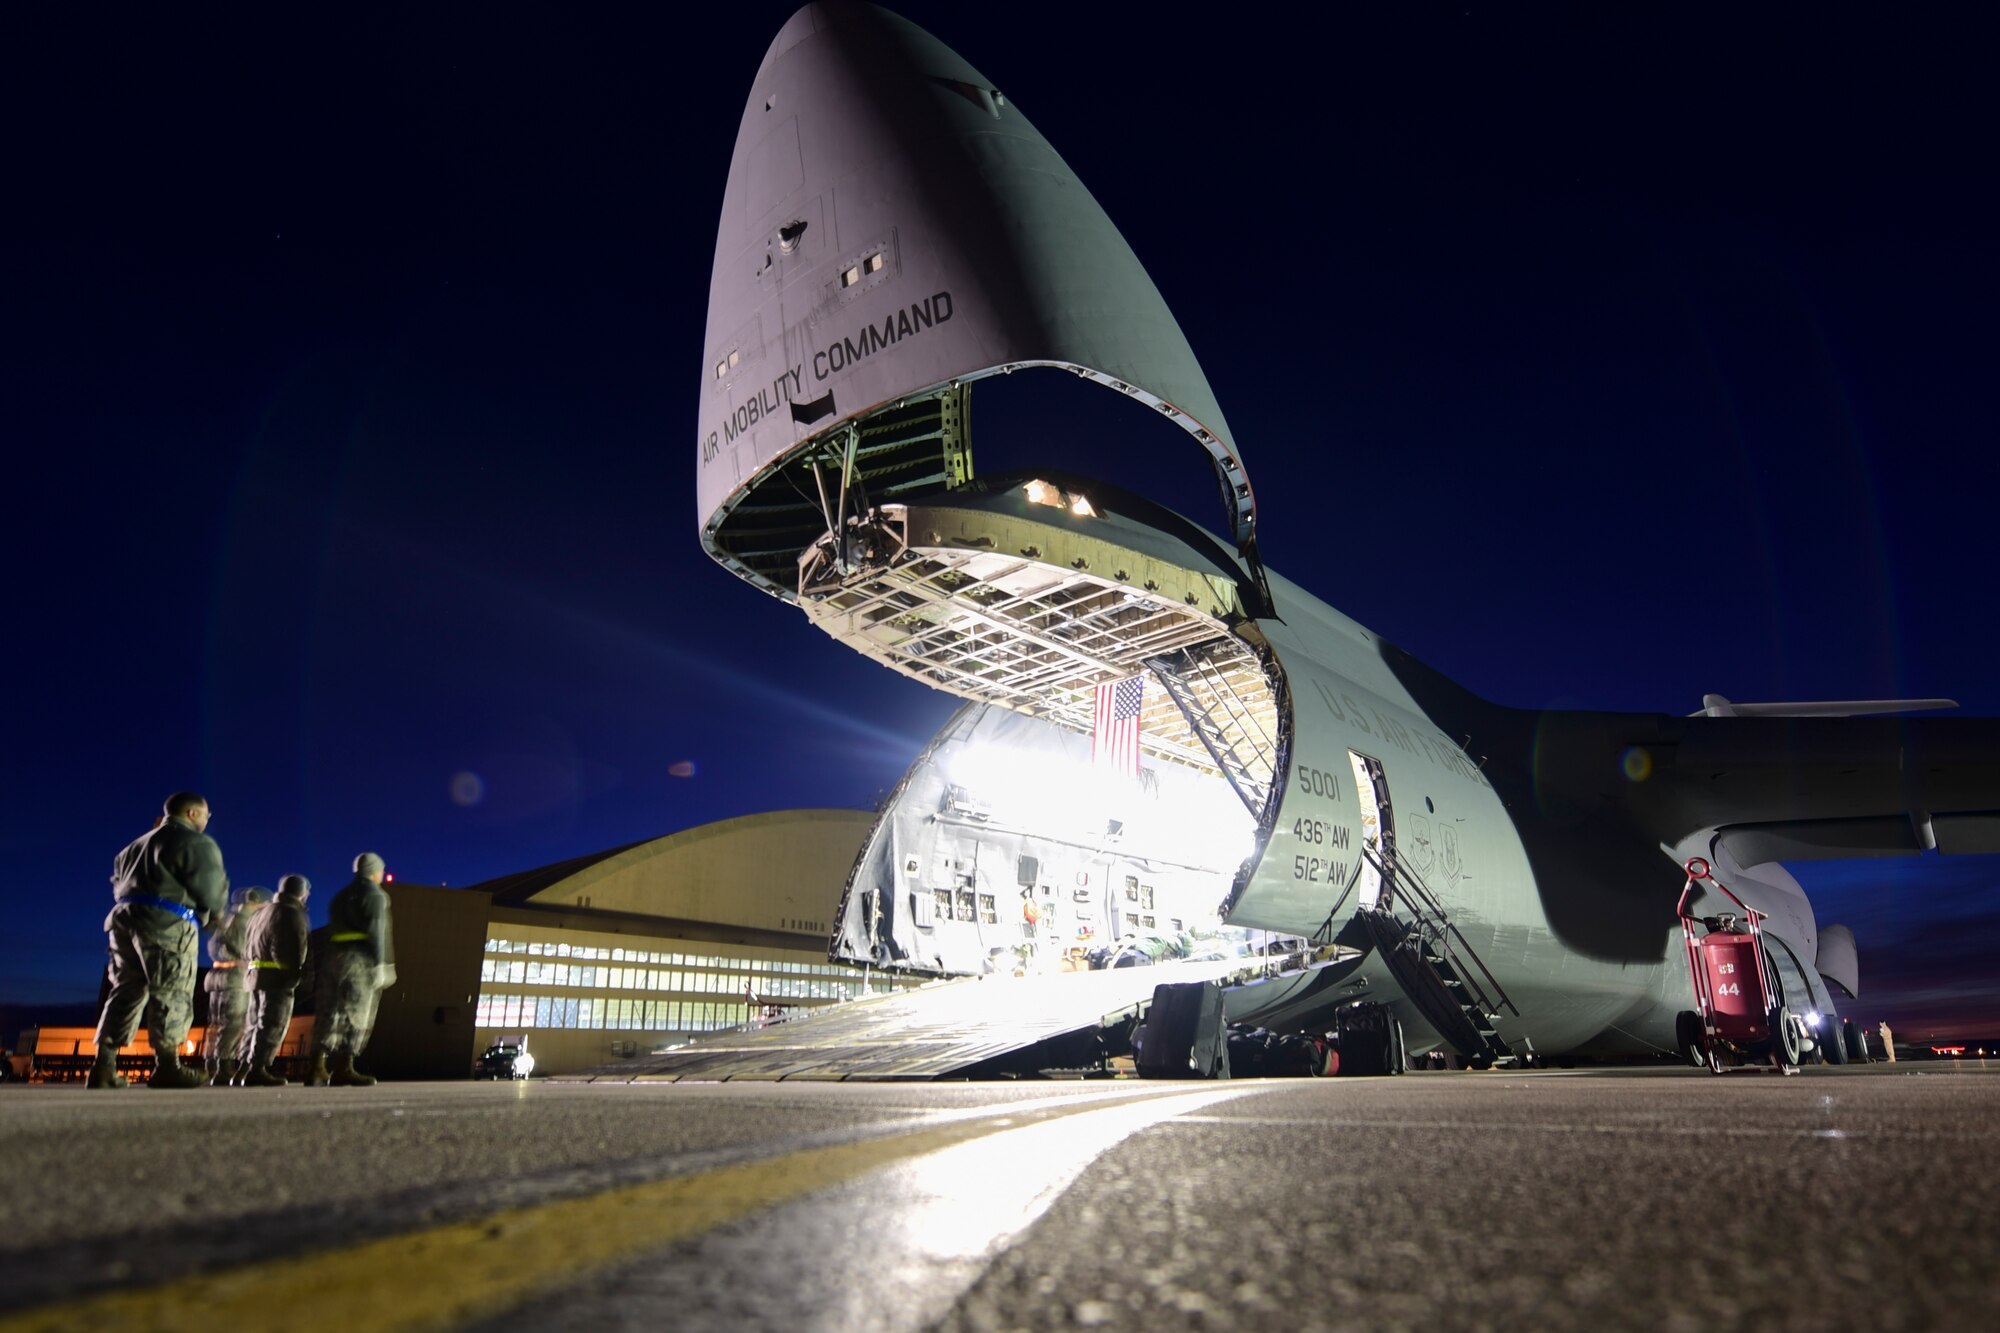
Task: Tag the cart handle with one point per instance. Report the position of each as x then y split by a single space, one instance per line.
1698 869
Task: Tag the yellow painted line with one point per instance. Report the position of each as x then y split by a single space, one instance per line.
465 1270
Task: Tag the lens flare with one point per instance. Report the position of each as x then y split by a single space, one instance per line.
467 789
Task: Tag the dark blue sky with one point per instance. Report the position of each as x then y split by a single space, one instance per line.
1600 358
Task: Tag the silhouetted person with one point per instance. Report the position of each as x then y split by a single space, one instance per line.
224 986
360 964
274 951
168 883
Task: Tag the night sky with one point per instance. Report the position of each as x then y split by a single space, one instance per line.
1601 359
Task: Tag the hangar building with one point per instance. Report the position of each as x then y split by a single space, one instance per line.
613 954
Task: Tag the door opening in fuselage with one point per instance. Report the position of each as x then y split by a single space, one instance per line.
1378 828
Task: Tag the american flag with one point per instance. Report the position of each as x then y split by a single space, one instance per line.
1114 745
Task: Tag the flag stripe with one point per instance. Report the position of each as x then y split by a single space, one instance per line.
1114 741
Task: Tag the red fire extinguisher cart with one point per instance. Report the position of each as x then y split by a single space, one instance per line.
1736 1024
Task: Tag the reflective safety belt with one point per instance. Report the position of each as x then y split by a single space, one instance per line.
223 966
268 962
181 910
349 936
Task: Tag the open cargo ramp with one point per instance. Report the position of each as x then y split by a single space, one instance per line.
983 1027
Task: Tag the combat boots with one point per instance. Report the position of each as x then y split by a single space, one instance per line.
345 1075
224 1073
104 1072
259 1075
169 1072
316 1076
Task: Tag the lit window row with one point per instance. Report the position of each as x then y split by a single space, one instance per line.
590 976
728 363
555 1011
593 953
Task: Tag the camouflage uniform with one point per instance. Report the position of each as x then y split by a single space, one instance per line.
360 961
224 987
274 952
167 882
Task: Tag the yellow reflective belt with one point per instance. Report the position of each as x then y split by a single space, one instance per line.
264 962
347 936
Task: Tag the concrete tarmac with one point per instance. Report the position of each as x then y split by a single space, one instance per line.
1866 1197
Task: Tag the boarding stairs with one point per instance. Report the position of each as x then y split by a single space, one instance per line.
1435 965
1224 724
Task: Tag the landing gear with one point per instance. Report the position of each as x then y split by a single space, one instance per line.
1370 1040
1688 1036
1785 1043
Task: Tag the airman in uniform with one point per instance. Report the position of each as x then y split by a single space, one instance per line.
224 987
168 883
274 951
360 964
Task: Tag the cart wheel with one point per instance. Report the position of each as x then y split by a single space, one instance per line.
1784 1038
1399 1054
1687 1030
1715 1065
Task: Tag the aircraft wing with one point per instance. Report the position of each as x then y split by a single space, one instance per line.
1787 788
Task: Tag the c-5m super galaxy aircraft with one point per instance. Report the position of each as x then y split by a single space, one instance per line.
894 230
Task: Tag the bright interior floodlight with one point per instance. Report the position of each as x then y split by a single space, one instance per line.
1048 790
1040 492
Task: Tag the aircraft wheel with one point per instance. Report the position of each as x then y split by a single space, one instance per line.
1480 1061
1832 1047
1855 1040
1688 1031
1784 1038
1399 1055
